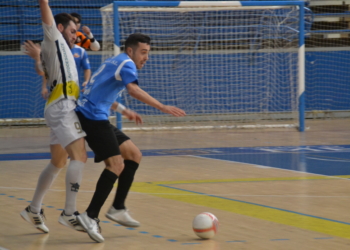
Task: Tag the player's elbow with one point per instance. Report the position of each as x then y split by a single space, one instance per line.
95 46
134 93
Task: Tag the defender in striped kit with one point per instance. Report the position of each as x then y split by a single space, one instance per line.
67 137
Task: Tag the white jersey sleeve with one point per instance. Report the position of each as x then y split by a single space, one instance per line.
51 32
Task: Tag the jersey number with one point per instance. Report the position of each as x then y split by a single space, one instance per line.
92 80
78 127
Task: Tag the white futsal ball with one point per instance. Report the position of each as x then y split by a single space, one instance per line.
205 225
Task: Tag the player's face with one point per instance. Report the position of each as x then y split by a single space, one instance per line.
77 22
70 34
140 55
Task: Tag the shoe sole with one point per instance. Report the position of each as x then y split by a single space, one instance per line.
120 222
63 222
25 217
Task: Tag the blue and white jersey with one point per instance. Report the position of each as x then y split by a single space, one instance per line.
105 85
81 60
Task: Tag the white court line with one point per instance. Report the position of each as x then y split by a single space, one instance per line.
321 159
55 190
291 170
254 165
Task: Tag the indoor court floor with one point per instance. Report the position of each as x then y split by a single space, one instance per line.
269 188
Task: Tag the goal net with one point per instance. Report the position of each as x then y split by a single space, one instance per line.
227 64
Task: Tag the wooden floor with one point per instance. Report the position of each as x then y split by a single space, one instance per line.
258 206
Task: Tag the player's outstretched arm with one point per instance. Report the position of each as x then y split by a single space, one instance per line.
135 91
46 13
128 113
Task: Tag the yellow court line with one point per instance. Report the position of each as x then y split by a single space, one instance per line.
343 176
276 215
254 179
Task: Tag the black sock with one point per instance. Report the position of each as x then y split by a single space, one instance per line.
103 187
124 183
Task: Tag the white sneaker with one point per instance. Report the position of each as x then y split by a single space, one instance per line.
71 221
91 227
36 219
122 217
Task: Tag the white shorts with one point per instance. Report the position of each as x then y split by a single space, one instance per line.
64 123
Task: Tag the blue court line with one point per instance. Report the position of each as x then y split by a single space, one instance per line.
157 236
311 159
202 151
172 240
256 204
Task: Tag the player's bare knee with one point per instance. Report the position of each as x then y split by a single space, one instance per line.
116 168
59 163
84 157
133 155
137 156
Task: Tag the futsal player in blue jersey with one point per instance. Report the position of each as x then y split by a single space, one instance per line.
121 156
82 61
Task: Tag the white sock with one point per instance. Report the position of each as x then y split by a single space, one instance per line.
46 178
73 180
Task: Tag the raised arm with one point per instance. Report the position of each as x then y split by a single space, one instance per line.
135 91
94 44
46 13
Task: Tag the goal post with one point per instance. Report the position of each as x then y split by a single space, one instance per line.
234 64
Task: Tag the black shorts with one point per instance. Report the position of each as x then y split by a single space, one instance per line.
102 137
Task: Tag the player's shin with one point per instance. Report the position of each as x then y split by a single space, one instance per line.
125 181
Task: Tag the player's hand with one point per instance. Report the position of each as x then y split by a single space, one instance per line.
132 116
44 93
173 111
32 49
83 86
86 30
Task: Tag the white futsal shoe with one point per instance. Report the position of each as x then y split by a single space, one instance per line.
122 217
91 227
71 221
36 219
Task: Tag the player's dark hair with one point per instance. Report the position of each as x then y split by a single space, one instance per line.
134 39
64 19
77 16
